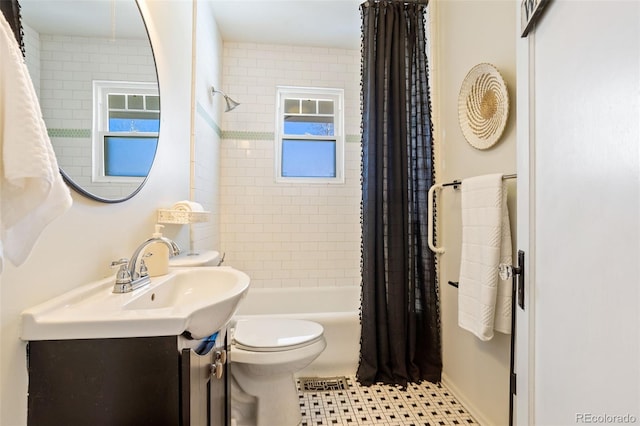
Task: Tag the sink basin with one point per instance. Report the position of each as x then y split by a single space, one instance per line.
198 301
201 258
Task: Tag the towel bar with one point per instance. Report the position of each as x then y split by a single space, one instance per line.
430 209
456 183
437 186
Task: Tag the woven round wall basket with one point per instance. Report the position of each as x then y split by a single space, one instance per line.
483 106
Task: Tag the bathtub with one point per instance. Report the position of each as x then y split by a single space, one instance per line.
337 309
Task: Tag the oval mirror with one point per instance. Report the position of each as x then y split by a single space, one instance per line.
93 69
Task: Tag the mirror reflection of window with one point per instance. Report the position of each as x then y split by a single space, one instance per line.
68 45
128 156
125 130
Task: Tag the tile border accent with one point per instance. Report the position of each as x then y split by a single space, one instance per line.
69 133
260 136
252 136
353 138
202 112
224 134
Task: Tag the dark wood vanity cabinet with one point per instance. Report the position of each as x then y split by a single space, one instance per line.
145 381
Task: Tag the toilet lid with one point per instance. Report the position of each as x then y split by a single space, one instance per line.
273 334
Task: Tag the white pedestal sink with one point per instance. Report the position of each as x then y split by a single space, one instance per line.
194 300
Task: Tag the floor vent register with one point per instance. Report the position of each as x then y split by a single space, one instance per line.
315 384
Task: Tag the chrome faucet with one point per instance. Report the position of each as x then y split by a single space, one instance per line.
130 276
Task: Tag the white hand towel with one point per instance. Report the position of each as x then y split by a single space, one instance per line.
484 300
32 192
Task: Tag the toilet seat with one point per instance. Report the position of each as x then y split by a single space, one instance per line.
275 334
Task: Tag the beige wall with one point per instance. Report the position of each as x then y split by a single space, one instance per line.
466 33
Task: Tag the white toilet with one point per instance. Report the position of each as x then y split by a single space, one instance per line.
265 354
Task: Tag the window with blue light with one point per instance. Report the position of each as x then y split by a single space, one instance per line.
126 128
309 159
310 140
129 156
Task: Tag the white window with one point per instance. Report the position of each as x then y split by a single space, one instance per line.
309 135
126 124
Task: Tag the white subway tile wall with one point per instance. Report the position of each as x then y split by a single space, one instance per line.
206 169
66 77
287 235
31 41
68 65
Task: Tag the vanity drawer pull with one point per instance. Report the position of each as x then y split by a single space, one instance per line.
219 360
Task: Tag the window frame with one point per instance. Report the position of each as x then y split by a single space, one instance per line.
99 132
290 92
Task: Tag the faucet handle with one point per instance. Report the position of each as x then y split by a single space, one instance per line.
119 262
144 271
122 276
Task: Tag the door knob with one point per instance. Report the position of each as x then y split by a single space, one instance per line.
516 273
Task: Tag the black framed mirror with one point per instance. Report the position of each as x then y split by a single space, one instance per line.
94 71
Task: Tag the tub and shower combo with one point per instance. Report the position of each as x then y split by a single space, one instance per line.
337 309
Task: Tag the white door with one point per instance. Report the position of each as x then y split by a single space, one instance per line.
578 340
526 215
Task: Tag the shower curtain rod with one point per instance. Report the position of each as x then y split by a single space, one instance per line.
457 183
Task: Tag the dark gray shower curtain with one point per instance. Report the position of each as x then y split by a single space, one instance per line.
400 316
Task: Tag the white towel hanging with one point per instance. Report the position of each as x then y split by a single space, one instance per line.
484 300
32 192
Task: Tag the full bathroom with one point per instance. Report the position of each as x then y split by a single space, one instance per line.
300 243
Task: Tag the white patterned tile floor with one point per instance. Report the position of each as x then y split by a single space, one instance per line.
424 404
